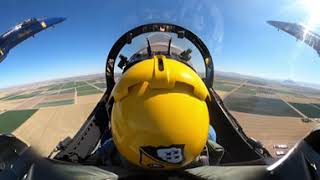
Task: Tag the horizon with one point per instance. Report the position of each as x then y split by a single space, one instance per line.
216 73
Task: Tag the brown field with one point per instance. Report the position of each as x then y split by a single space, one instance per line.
9 105
300 100
221 93
272 130
270 96
29 103
2 94
48 126
59 97
89 99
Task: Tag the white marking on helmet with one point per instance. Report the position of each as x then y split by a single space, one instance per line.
171 155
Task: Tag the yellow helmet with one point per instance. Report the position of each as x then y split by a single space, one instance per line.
159 117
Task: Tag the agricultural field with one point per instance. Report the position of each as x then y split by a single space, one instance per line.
271 130
318 105
309 110
45 113
247 90
101 85
221 86
9 96
20 103
11 120
55 103
266 108
259 105
288 92
72 90
229 79
87 90
21 96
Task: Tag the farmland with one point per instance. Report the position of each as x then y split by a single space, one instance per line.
259 105
53 94
223 86
11 120
266 108
55 103
45 113
309 110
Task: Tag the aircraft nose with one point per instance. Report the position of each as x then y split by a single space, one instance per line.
55 20
273 23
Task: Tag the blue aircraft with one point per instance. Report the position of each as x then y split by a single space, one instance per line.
23 31
299 31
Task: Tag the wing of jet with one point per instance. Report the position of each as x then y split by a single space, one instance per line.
23 31
299 31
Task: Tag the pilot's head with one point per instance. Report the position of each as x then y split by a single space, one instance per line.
160 118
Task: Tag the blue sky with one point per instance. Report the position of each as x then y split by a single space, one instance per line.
235 31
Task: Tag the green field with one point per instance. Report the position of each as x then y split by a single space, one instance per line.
264 90
80 83
67 91
87 90
69 85
47 87
11 120
307 109
318 105
223 86
247 90
101 85
55 103
229 79
8 96
56 87
258 105
24 96
92 81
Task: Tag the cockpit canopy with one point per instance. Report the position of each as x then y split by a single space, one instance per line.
162 39
163 44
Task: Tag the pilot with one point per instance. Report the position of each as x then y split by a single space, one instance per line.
160 118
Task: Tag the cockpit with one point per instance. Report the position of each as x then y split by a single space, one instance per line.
172 45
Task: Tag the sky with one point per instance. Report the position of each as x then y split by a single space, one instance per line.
235 31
